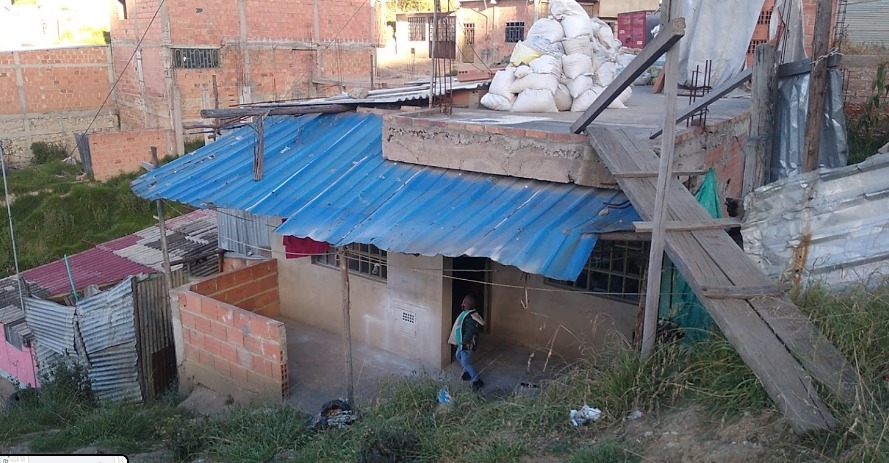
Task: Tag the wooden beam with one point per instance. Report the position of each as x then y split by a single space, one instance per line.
677 225
251 111
343 256
804 66
666 38
651 174
817 85
710 98
741 292
764 94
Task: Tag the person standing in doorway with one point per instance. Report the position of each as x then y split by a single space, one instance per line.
464 335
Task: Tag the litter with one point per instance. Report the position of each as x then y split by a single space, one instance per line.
334 414
443 396
635 414
584 416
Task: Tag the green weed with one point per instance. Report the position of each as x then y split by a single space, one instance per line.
605 452
46 152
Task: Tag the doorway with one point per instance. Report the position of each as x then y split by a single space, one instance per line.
471 275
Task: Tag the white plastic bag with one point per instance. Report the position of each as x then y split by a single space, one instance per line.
579 85
576 26
605 36
535 101
576 45
497 102
563 98
547 64
585 99
561 8
501 82
523 54
577 65
606 73
522 71
548 28
535 81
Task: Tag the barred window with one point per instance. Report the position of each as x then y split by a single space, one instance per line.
364 259
614 268
417 28
515 31
469 34
13 338
195 58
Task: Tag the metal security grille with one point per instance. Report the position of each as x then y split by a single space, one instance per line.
364 259
469 34
195 58
417 28
614 268
515 31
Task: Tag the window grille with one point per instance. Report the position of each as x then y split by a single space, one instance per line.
417 29
195 58
515 31
614 268
364 259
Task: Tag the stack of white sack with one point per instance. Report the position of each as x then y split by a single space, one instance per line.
564 64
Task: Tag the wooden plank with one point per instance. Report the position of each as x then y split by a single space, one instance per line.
764 94
709 99
666 38
681 226
676 173
250 111
741 292
817 85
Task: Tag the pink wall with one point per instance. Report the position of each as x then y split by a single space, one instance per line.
18 363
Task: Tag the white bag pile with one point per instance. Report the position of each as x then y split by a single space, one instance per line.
564 64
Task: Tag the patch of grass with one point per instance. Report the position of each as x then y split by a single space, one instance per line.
47 152
868 133
605 452
191 145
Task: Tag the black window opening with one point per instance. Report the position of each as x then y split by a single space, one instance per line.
417 29
195 58
614 269
515 31
364 259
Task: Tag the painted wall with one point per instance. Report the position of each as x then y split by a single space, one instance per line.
611 8
311 294
17 364
567 320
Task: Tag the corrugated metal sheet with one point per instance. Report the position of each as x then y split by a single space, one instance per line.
410 93
839 237
243 233
867 21
52 324
327 176
91 267
154 332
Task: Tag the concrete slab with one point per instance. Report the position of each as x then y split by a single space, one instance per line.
317 374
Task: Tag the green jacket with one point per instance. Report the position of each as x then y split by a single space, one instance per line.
467 336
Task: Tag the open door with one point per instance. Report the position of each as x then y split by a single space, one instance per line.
471 275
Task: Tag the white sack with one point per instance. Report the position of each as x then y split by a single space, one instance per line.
624 59
550 29
622 99
563 98
585 100
576 45
579 85
501 82
547 64
577 65
535 81
522 71
497 102
576 26
606 37
562 8
606 73
544 46
535 101
523 54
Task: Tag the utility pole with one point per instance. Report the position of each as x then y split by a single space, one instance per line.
347 323
162 226
763 95
15 254
817 84
665 173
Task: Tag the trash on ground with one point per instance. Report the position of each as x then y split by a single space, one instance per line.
444 397
584 416
336 414
635 414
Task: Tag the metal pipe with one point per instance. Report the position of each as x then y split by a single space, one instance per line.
15 255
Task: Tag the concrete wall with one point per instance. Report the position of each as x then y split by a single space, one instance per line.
228 348
569 321
47 95
492 149
17 364
119 152
312 294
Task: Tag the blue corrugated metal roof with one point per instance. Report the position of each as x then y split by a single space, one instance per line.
326 175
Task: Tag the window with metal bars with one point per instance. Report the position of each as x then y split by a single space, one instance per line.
515 31
615 268
364 259
417 29
195 58
469 34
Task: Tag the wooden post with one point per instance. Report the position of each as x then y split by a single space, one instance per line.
757 160
162 226
817 84
665 168
347 323
215 93
259 150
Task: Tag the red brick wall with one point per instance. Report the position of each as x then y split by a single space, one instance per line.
254 288
119 152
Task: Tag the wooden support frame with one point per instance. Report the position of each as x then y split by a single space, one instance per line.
710 98
763 95
251 111
666 38
676 225
652 174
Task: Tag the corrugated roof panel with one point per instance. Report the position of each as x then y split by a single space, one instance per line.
91 267
52 324
327 176
867 21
